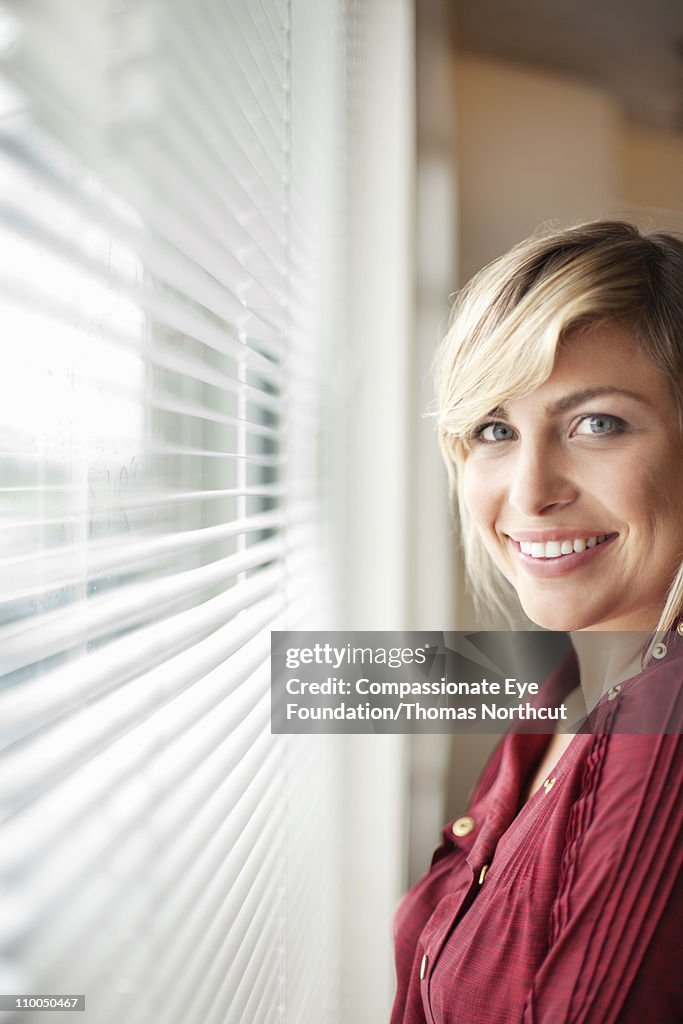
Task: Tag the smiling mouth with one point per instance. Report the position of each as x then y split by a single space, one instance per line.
560 548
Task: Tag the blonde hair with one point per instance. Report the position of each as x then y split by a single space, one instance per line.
505 330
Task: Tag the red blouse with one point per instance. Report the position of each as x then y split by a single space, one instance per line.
569 909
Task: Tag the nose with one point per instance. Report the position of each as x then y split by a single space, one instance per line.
541 480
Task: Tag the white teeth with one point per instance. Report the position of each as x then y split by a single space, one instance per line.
556 548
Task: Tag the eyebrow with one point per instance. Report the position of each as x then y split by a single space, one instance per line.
579 397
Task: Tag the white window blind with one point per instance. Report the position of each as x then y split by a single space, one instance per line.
170 244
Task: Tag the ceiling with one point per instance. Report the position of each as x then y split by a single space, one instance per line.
631 48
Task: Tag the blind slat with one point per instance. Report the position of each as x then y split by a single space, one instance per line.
132 720
167 262
114 612
168 243
181 897
119 662
166 310
23 576
186 67
160 497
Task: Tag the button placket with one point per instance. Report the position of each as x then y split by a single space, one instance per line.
434 943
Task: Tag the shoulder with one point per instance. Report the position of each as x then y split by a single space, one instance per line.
650 703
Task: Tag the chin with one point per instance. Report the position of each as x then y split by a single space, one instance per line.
558 620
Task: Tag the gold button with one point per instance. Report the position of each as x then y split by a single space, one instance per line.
423 967
679 628
463 826
614 692
548 784
482 874
659 651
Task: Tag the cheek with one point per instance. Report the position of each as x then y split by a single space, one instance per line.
665 520
480 494
647 495
667 493
650 496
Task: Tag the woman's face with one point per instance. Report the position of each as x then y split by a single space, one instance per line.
577 488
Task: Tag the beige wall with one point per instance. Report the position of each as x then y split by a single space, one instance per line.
652 172
535 146
532 147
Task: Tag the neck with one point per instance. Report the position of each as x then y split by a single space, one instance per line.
607 658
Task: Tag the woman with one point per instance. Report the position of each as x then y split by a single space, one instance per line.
556 895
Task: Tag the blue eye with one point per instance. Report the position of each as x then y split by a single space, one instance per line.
599 423
489 433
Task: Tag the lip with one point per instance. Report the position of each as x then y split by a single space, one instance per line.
551 567
542 536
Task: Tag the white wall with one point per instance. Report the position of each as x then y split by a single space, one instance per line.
374 529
